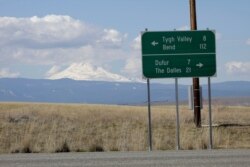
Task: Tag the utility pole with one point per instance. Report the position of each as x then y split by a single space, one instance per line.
196 84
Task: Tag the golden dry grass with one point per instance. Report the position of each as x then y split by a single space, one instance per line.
58 127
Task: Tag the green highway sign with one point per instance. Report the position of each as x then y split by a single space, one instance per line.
171 54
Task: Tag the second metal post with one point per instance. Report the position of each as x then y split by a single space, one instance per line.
149 118
177 116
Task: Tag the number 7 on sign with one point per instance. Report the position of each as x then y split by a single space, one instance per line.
188 61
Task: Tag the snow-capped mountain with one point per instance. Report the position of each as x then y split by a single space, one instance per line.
88 72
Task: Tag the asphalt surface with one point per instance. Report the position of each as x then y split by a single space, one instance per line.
205 158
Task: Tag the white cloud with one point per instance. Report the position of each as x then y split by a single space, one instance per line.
6 73
133 67
45 32
44 40
248 41
112 37
57 40
238 68
136 44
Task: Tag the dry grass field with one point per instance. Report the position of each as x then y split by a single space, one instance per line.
61 128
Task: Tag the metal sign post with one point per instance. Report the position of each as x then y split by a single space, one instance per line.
210 116
177 116
149 117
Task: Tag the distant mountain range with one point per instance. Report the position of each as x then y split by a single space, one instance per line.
101 92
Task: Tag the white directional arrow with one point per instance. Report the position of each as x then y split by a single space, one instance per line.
199 65
154 43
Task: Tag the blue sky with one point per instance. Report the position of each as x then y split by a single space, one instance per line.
41 38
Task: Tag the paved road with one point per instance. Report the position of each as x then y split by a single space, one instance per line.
205 158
